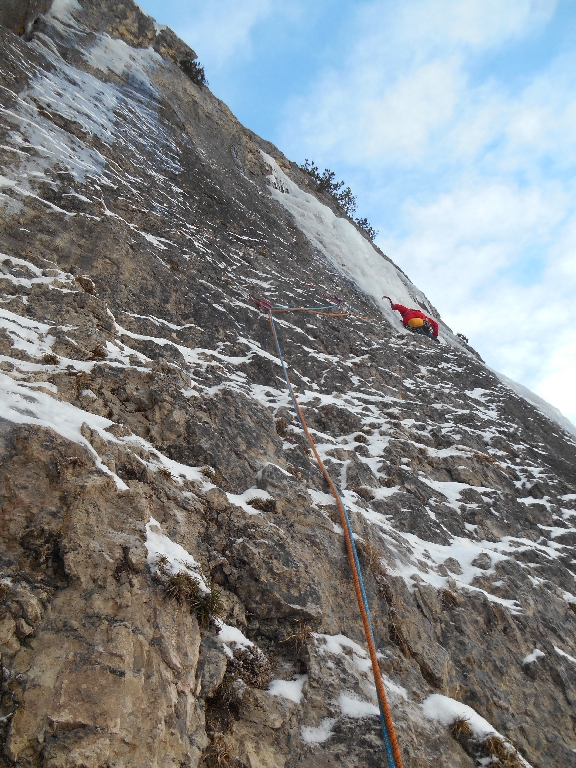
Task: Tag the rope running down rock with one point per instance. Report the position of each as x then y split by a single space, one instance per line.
388 732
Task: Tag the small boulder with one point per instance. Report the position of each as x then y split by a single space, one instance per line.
483 561
211 665
453 565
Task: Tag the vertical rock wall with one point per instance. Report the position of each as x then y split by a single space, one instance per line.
148 448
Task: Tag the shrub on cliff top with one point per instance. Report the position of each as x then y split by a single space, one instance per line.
194 70
326 182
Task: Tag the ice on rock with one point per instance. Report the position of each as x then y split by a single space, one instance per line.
349 251
320 733
353 706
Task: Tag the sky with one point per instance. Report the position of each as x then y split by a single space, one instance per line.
454 123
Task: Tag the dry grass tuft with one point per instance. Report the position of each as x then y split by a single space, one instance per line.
282 429
50 359
165 473
494 747
485 458
449 599
251 666
281 426
363 492
460 728
372 559
162 564
86 284
209 606
98 353
264 505
219 754
369 554
184 587
506 754
248 667
299 637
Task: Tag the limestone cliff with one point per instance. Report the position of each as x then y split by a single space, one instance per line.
174 586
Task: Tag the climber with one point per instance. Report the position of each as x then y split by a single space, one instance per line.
415 320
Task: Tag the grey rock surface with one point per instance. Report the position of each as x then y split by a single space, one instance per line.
19 16
143 407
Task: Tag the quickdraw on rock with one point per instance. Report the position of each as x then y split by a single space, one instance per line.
335 299
388 732
262 304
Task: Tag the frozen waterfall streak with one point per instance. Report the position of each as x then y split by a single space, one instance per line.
388 732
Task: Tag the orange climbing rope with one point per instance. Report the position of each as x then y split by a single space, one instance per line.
344 311
312 310
389 734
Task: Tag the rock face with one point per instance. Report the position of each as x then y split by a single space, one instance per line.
148 448
19 16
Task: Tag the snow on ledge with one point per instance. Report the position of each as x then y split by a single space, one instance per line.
231 636
353 706
445 710
21 404
158 545
289 689
534 656
335 644
560 652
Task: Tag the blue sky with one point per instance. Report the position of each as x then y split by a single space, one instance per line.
454 122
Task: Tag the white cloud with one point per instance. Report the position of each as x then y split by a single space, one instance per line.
392 118
558 384
404 116
403 80
474 23
470 235
222 29
523 327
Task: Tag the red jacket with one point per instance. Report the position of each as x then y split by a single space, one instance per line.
408 314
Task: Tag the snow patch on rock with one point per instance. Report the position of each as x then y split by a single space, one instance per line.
289 689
